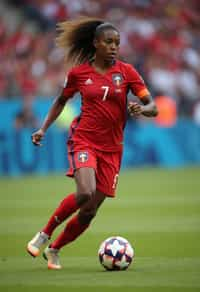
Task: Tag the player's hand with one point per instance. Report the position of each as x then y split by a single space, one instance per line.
37 137
135 109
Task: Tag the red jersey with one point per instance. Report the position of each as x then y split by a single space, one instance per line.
104 103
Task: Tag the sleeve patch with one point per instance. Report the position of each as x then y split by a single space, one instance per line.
142 93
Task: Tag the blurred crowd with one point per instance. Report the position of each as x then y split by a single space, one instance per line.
160 38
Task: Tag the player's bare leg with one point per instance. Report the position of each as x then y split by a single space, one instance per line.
88 211
85 183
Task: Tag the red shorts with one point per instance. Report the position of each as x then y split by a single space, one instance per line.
106 165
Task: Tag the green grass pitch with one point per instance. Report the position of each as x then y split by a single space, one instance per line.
157 210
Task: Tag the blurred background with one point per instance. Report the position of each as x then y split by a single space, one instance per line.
160 38
158 204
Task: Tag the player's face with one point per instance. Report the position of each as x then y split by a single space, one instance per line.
107 45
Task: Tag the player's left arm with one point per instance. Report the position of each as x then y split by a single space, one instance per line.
147 108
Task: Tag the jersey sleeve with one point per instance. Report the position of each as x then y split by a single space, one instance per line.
136 83
69 87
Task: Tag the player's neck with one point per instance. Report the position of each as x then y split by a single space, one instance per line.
102 66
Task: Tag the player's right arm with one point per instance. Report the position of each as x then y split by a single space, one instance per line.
52 115
56 108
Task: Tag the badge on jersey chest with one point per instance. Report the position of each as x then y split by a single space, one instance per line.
117 79
83 156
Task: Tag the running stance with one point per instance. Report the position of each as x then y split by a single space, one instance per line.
95 141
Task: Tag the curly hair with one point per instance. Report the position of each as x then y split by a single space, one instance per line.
76 38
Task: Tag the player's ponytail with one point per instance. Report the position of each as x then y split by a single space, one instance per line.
76 38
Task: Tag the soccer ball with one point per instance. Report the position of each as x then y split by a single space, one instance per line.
115 253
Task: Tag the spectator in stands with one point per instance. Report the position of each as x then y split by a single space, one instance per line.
167 116
160 37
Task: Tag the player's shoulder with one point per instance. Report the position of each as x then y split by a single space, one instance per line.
126 68
125 65
80 68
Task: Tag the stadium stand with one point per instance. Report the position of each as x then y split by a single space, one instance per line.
161 38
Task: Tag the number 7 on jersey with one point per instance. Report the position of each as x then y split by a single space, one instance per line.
106 89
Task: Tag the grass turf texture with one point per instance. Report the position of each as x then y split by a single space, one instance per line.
157 210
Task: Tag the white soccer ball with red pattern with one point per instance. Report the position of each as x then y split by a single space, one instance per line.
116 253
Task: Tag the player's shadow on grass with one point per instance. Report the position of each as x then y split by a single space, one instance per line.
79 270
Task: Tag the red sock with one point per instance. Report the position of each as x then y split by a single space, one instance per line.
64 210
73 229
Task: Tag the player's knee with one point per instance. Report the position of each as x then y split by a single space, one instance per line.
86 216
83 198
85 194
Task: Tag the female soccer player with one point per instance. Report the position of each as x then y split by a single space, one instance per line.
95 139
